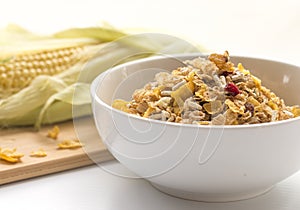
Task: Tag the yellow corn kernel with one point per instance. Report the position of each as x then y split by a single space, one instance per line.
17 72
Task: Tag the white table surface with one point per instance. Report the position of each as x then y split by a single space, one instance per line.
264 28
92 188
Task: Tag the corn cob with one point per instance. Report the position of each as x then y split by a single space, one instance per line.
21 62
18 71
35 70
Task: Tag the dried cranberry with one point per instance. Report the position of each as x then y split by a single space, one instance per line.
249 107
232 89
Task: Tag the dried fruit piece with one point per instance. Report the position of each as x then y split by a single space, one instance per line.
70 144
225 73
10 155
53 134
249 107
232 89
39 153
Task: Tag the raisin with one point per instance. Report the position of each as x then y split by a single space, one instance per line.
249 107
225 73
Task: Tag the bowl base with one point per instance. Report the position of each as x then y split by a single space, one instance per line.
202 197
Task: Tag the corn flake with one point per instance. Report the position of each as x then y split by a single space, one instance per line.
233 107
10 155
213 107
39 153
296 111
70 144
53 134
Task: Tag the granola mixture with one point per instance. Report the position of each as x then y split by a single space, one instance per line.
208 91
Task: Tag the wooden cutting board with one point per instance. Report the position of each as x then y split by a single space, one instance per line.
26 140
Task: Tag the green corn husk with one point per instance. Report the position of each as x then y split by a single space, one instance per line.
51 99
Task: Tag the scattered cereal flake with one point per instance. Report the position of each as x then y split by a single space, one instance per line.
10 155
70 144
39 153
53 134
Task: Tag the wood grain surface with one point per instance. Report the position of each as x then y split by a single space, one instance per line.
26 140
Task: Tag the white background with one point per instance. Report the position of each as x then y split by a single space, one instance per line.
255 27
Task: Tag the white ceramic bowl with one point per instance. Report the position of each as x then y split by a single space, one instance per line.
205 163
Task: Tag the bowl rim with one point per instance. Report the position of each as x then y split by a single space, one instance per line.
95 97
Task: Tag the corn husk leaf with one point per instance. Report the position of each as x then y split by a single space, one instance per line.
98 33
59 106
51 99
